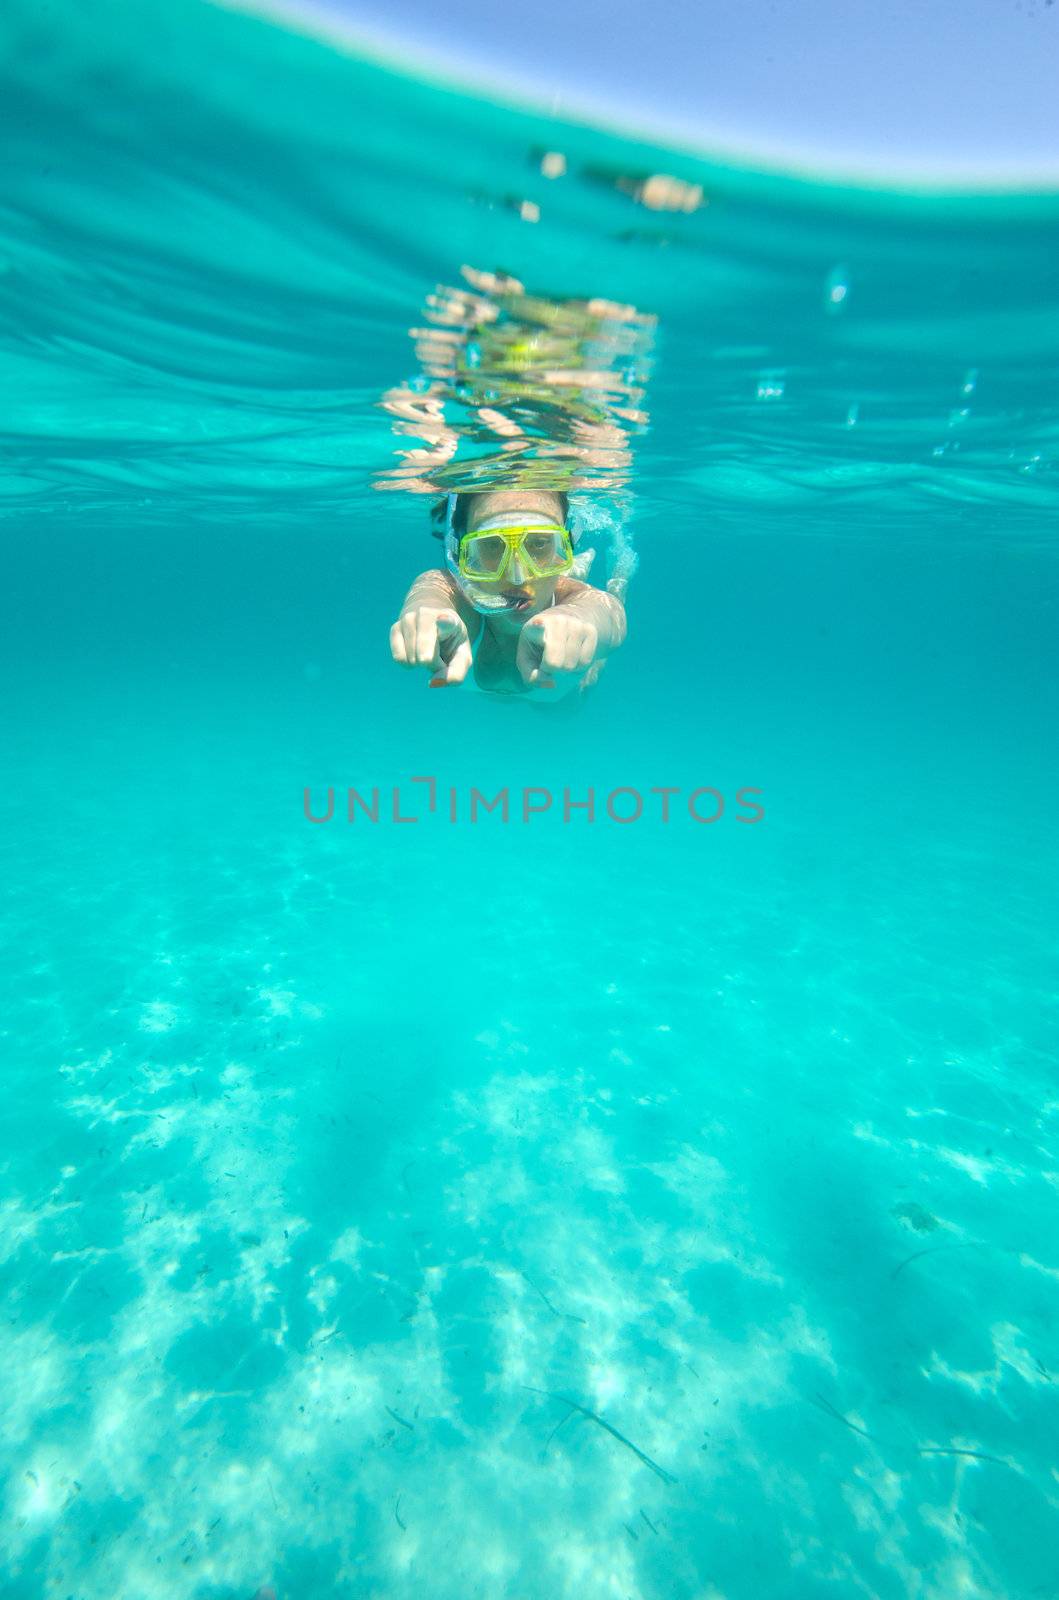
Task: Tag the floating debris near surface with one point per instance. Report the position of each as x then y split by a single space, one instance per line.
657 191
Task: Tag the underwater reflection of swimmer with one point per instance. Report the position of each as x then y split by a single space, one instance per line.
524 407
510 608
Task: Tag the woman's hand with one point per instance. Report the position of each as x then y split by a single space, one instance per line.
559 641
434 637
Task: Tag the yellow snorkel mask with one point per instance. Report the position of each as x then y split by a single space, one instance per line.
540 550
502 549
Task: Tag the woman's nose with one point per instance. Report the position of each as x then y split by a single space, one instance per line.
516 572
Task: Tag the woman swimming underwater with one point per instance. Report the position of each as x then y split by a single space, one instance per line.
510 607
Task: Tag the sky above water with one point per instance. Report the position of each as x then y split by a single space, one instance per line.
935 86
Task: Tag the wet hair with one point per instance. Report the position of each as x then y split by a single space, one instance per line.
439 513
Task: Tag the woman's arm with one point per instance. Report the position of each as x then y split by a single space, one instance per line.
435 629
565 647
438 589
603 610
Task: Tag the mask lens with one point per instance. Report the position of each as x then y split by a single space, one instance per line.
484 556
520 552
545 550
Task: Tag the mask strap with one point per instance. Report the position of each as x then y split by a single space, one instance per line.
572 520
451 541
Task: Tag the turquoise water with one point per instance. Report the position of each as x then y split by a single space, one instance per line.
658 1211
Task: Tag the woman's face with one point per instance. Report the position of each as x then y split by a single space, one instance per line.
524 595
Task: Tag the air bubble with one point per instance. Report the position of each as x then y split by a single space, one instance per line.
852 416
770 386
970 381
836 292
